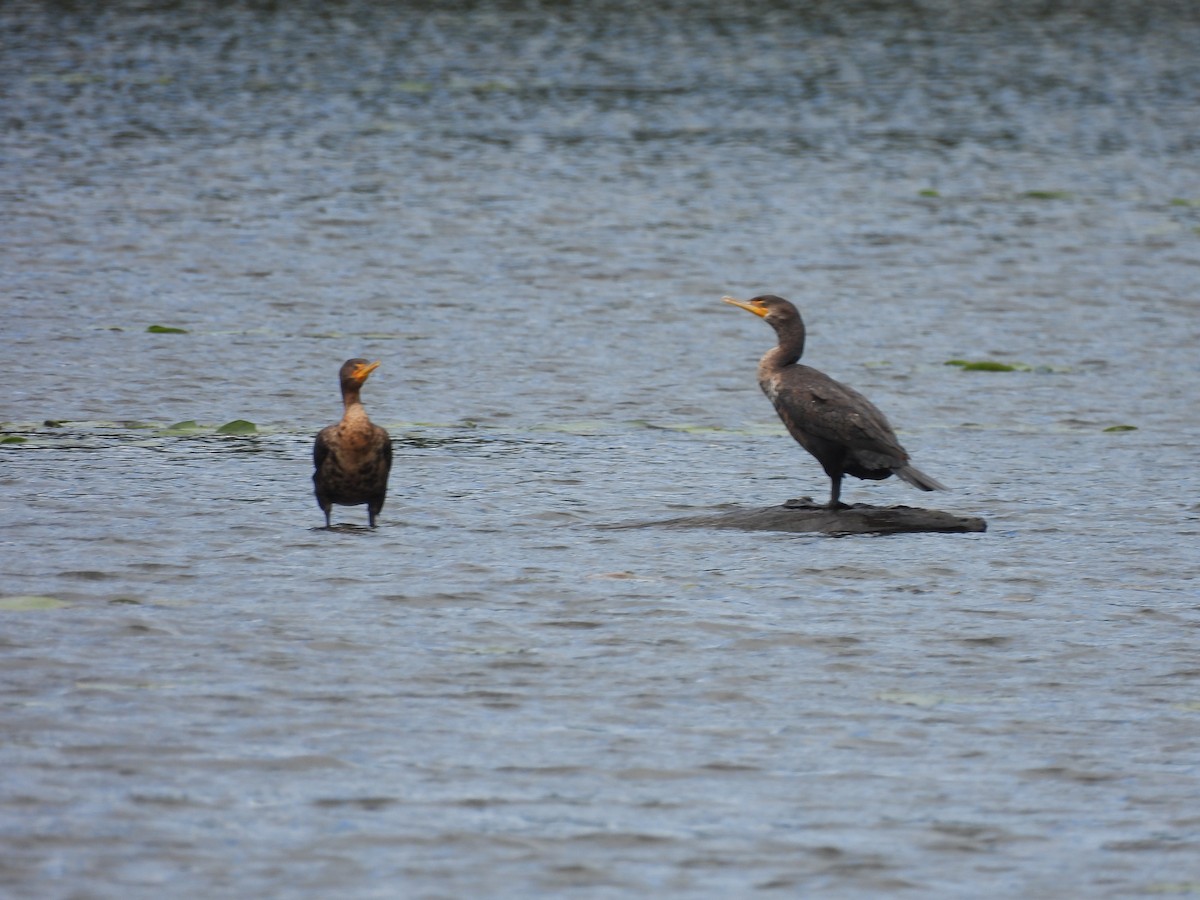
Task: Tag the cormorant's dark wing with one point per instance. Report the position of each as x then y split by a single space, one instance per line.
387 453
811 401
320 450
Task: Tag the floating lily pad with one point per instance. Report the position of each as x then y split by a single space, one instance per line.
928 192
983 365
13 439
165 329
28 603
467 84
182 427
411 86
988 365
1121 428
1046 195
238 426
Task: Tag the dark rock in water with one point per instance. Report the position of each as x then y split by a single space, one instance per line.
804 515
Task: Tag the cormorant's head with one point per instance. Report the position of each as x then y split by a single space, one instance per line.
355 371
775 310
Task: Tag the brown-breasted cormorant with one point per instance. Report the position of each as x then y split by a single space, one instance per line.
352 459
836 424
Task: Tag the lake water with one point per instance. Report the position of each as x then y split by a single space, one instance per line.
528 212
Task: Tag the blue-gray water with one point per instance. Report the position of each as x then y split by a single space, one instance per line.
529 213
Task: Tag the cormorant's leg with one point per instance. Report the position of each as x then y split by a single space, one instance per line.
835 492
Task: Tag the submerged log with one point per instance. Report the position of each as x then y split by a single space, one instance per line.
803 515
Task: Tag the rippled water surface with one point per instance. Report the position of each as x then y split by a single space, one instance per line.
529 213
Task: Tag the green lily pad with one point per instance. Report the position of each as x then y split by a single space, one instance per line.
1121 428
28 603
182 427
928 192
1046 195
238 426
983 365
165 329
13 439
988 365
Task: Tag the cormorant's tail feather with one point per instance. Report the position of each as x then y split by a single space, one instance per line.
919 479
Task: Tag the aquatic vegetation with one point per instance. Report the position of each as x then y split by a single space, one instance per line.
987 365
596 426
1046 195
994 365
187 427
29 603
191 426
165 329
1121 428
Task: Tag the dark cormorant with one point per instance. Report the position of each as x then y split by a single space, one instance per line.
836 424
352 459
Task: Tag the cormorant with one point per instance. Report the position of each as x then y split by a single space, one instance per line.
835 423
352 459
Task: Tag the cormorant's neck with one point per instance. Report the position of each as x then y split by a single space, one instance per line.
350 397
791 345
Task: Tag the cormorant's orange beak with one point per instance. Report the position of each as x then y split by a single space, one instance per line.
760 311
361 373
